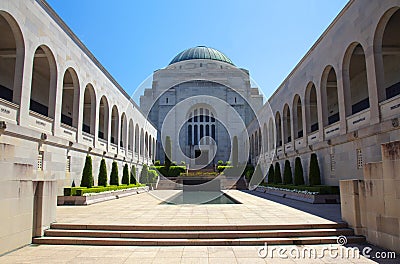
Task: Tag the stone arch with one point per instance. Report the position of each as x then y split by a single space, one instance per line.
355 80
271 134
44 82
70 98
114 125
124 132
12 60
89 110
265 138
103 118
311 108
141 142
330 100
278 123
287 127
131 135
387 59
297 117
137 137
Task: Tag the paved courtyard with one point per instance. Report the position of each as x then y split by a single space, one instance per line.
147 209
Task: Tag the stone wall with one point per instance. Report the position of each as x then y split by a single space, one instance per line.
372 205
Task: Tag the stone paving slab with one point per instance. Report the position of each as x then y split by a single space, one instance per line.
133 254
148 209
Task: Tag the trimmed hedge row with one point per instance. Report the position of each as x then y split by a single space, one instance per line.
321 189
173 171
79 191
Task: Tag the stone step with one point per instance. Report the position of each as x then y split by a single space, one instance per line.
192 242
70 226
200 234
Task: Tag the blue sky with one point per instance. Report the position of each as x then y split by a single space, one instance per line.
133 38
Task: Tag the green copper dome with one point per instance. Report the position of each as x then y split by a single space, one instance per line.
201 52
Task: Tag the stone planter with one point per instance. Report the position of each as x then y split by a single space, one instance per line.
93 198
308 198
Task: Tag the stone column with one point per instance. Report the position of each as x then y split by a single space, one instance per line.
341 102
23 117
57 103
372 85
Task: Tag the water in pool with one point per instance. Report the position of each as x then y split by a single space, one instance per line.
201 197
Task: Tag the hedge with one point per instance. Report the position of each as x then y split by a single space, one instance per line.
222 168
321 189
174 171
81 192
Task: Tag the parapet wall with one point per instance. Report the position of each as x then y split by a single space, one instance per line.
372 205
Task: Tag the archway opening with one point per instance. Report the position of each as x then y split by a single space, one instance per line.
311 109
70 94
297 118
89 110
330 97
359 97
11 59
103 119
278 130
287 130
391 58
114 125
43 84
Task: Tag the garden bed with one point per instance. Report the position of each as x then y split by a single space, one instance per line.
314 197
82 196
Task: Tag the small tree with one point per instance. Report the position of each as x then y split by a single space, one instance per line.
271 174
287 173
133 175
87 174
144 174
125 175
114 174
278 176
314 174
102 178
73 183
168 152
298 172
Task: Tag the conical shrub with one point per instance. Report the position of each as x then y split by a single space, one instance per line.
132 179
287 173
315 174
114 174
298 172
144 174
278 176
102 178
271 174
87 174
125 175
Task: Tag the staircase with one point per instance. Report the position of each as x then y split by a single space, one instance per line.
209 235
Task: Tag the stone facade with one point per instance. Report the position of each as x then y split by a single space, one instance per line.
372 205
341 100
192 86
57 105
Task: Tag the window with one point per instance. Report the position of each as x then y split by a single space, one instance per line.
68 164
333 163
166 100
360 162
40 161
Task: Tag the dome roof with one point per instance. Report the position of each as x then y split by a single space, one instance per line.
201 52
